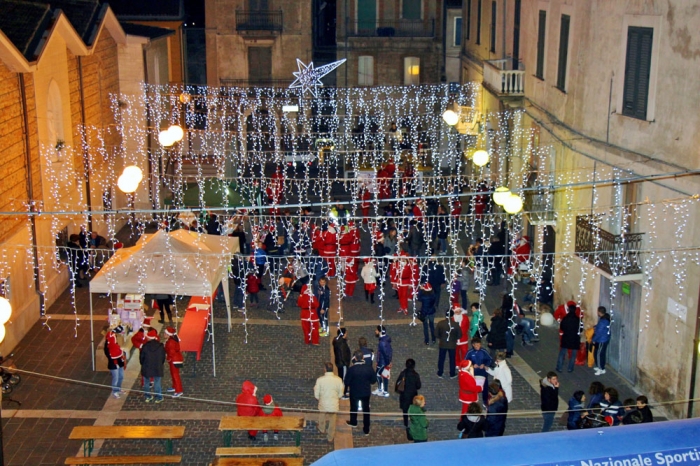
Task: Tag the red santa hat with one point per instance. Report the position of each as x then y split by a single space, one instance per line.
152 334
170 331
331 230
465 364
267 399
570 303
426 287
147 322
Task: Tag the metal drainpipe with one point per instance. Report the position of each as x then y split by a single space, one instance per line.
694 363
346 43
86 154
505 23
30 191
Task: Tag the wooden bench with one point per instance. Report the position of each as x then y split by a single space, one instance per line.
168 459
230 423
252 451
88 434
257 461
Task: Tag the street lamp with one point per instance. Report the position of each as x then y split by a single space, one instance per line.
481 158
513 204
5 313
500 195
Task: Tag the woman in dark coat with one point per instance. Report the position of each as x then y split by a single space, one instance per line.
497 411
411 387
497 335
472 424
570 338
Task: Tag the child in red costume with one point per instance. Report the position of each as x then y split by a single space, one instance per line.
174 357
309 317
269 409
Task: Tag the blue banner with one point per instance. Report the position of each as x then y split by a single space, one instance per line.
680 457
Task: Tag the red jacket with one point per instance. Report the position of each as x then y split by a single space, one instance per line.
247 397
351 270
252 283
468 388
366 196
115 351
138 339
346 240
172 350
307 301
464 326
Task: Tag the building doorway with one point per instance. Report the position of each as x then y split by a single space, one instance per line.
260 65
622 350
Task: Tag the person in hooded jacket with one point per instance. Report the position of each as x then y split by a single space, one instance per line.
601 339
411 385
384 355
175 359
497 334
341 350
497 411
152 358
576 412
570 327
309 316
359 380
472 424
549 397
426 296
247 405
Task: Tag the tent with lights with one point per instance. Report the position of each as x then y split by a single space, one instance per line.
179 263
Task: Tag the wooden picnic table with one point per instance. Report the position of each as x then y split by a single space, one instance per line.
230 423
88 434
256 461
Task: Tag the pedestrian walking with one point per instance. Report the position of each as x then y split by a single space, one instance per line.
152 358
341 351
549 397
359 380
419 422
329 389
407 385
323 295
369 276
476 319
570 328
426 296
164 302
384 355
116 359
448 332
253 286
309 316
175 360
601 340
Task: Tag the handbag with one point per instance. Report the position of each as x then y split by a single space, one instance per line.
400 384
483 329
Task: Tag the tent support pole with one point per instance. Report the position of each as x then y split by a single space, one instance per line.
213 345
92 334
228 301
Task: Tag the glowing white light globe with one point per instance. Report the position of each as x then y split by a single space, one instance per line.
500 195
184 97
165 138
481 158
132 171
127 184
2 333
5 310
513 204
450 117
546 319
176 133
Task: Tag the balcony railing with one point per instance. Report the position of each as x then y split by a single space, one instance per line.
254 20
615 254
540 208
502 79
255 82
399 28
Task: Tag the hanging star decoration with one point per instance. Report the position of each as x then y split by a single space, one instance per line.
309 78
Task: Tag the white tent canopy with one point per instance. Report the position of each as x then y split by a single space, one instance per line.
179 263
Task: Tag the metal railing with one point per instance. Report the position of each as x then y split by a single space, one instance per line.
615 254
540 208
255 82
397 28
255 20
500 77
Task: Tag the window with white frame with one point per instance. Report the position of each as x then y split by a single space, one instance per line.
411 70
365 71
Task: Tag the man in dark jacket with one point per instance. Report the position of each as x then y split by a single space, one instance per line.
436 277
384 355
152 358
570 338
411 385
342 355
549 397
323 294
497 411
359 380
448 332
426 296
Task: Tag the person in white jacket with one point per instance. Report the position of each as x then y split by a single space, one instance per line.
369 276
502 373
328 391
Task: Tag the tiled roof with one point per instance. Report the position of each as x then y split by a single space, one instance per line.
144 10
84 15
145 31
24 24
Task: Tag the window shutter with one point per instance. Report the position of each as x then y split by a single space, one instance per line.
478 23
541 34
493 26
411 9
637 70
469 19
563 52
458 31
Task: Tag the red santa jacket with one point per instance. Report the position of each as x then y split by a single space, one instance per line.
351 265
345 241
464 326
308 304
356 245
172 350
138 339
366 196
317 238
247 402
330 242
115 351
468 388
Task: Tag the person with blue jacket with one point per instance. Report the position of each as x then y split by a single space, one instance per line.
260 257
384 355
426 296
576 411
323 295
481 359
601 339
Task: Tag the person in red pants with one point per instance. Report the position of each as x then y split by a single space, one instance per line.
247 405
270 409
468 388
462 318
350 275
174 357
309 317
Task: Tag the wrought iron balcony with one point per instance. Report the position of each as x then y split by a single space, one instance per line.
259 20
398 28
501 77
255 82
615 254
540 208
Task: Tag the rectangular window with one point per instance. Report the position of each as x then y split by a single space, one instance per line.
365 68
411 9
541 34
366 16
458 32
493 26
469 20
411 70
478 23
563 52
637 72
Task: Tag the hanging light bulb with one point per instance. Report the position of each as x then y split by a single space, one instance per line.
127 184
176 133
513 204
481 158
132 171
5 310
184 97
165 138
500 195
450 117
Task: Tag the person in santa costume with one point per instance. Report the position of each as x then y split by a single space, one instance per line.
365 205
330 248
355 245
247 404
407 275
462 318
139 338
468 388
276 187
175 360
521 253
270 409
369 276
350 266
116 359
309 317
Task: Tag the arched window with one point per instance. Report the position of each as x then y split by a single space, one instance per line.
54 122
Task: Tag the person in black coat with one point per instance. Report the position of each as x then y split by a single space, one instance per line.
497 335
359 381
341 350
497 411
410 389
570 338
472 424
152 358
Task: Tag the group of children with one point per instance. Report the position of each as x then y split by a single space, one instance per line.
247 405
602 408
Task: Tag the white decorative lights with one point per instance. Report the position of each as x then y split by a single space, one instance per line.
450 117
513 204
500 195
309 78
481 158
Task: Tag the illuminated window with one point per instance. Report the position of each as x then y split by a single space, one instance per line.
411 70
365 70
